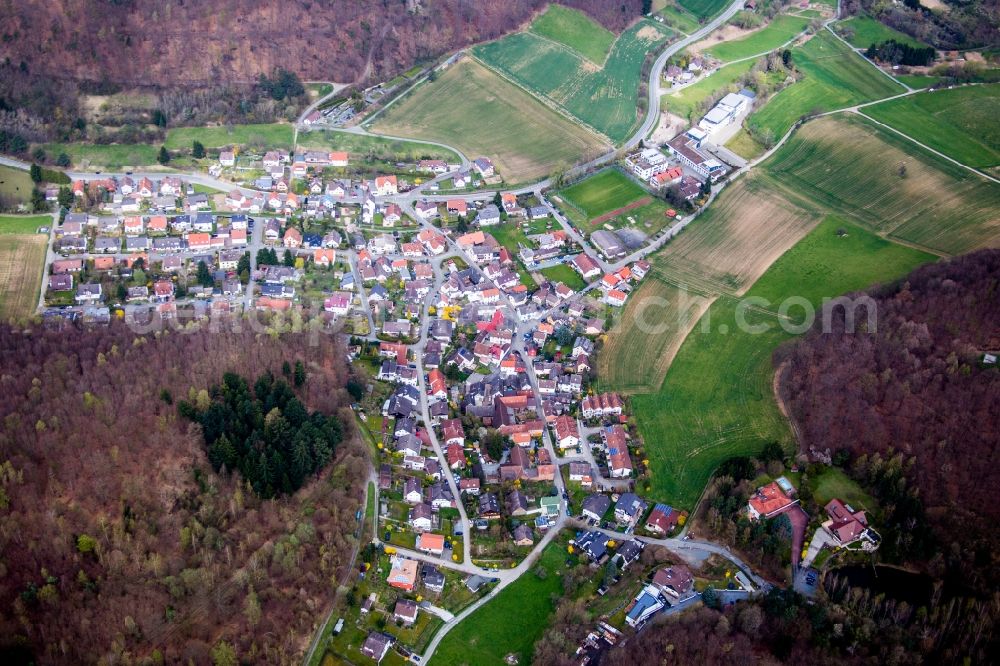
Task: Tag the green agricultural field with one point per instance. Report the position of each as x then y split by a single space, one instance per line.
853 168
15 185
511 622
479 113
23 224
603 192
274 135
687 102
717 400
362 146
703 8
834 77
961 123
576 30
779 31
566 275
863 31
111 156
605 98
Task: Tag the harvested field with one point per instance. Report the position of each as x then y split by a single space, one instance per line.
21 260
471 108
646 336
731 245
854 168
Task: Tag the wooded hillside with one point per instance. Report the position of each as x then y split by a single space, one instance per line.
48 48
917 387
118 543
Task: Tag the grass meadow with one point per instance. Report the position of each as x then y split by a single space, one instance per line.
15 184
833 77
703 8
474 110
110 156
717 399
781 29
961 122
675 16
274 135
511 622
361 146
863 31
576 30
23 224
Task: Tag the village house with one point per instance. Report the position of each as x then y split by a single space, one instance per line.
769 501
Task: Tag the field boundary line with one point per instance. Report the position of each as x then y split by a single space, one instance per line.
861 113
545 100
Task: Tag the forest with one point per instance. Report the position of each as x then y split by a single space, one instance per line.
202 59
910 409
783 628
118 541
895 53
266 435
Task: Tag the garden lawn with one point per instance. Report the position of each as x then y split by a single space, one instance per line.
274 135
23 224
687 101
479 113
717 400
566 275
961 123
360 146
509 623
779 31
851 167
703 8
833 77
603 192
833 483
15 184
605 98
111 156
576 30
866 31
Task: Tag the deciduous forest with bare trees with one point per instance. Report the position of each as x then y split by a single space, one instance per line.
118 542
